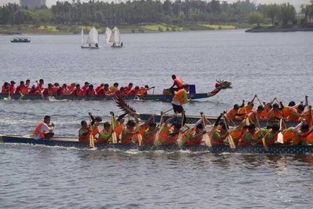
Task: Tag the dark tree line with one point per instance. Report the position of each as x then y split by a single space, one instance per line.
140 12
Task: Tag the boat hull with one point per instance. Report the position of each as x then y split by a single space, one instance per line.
192 119
67 142
152 97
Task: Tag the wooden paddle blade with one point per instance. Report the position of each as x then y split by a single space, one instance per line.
91 141
231 142
123 105
207 140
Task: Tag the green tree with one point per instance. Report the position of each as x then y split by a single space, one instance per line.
256 18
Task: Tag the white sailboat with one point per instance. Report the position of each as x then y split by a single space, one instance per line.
113 37
92 41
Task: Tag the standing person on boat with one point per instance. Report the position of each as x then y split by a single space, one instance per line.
84 132
180 98
178 82
44 129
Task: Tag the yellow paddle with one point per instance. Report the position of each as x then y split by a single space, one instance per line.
206 137
91 141
114 137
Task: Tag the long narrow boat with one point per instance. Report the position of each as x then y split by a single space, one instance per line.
71 142
192 119
153 97
220 85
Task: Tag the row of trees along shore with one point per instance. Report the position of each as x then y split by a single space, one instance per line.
148 11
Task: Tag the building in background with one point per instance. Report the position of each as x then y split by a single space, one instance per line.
33 3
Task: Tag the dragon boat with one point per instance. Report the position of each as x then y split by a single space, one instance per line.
192 119
72 142
165 97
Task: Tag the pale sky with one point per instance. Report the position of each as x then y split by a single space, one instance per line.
294 2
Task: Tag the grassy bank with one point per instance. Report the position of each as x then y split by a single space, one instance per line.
74 29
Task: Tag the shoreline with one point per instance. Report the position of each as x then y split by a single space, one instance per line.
76 29
278 29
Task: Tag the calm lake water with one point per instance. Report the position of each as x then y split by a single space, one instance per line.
269 65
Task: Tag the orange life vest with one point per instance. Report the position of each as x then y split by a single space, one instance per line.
181 96
38 132
179 82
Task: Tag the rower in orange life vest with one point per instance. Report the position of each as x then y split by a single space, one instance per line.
128 133
5 88
39 87
178 82
44 129
21 89
180 98
12 87
149 135
84 132
194 137
94 125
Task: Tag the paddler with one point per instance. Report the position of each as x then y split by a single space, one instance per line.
44 129
178 83
94 125
128 133
113 88
105 135
5 88
149 135
194 136
12 87
180 98
219 132
84 132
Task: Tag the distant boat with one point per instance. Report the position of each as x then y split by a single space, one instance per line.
92 40
113 37
20 40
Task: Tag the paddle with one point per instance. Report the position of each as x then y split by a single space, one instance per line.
280 137
114 137
206 137
229 138
91 141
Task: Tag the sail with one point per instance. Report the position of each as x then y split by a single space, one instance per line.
82 36
93 36
116 36
108 33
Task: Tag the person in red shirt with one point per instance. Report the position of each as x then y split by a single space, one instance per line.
27 83
40 87
12 87
134 91
49 91
121 91
90 91
77 91
99 88
5 88
129 87
33 90
21 89
85 87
